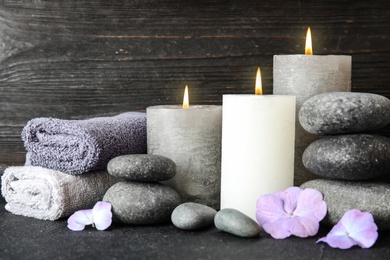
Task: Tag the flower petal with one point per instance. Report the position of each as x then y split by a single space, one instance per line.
360 227
354 228
296 226
269 209
290 198
338 241
277 229
305 226
102 215
311 203
338 237
73 225
79 219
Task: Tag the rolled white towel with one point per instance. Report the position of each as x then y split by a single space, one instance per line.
42 193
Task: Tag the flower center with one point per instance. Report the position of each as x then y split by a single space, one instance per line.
290 214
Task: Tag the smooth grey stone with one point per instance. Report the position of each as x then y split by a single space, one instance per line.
349 157
344 112
139 203
237 223
341 196
142 167
191 216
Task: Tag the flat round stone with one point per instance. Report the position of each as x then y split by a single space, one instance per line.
237 223
349 157
341 196
344 112
191 216
141 203
142 167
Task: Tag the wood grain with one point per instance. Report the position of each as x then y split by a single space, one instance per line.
78 59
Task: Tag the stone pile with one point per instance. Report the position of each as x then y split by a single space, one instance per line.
140 199
349 157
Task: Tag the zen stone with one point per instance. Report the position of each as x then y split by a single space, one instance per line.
341 196
344 112
237 223
142 167
191 216
138 203
349 157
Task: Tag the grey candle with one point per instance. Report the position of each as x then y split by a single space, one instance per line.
304 76
192 139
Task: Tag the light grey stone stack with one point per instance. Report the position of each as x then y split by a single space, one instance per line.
140 199
354 162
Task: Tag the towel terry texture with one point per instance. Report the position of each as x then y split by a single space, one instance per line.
47 194
79 146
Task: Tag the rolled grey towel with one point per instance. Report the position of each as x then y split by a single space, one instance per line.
79 146
42 193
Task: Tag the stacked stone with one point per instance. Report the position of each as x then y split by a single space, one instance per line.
140 199
354 164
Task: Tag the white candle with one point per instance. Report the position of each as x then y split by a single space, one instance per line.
304 76
257 148
192 139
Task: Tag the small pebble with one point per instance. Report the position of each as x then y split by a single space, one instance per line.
192 216
142 167
141 203
237 223
344 113
341 196
349 157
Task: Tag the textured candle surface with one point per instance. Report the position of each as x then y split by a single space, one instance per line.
192 139
304 76
257 148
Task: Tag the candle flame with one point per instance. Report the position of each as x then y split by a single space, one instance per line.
308 47
258 85
186 102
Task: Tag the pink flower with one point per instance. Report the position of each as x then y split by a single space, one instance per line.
100 217
354 228
291 212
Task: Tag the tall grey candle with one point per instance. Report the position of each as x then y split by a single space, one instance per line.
192 139
304 76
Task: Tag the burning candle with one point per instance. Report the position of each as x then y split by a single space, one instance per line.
191 137
257 147
304 76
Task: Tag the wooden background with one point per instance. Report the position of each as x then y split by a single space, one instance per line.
77 59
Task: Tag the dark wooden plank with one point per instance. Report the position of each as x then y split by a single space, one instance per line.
78 59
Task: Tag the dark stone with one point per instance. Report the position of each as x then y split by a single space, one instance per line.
138 203
341 196
191 216
344 112
349 157
237 223
142 167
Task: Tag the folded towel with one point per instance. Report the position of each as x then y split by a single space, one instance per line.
42 193
79 146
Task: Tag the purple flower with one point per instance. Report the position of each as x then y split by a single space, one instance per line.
100 217
354 228
291 212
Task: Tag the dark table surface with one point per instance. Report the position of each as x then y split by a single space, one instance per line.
29 238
